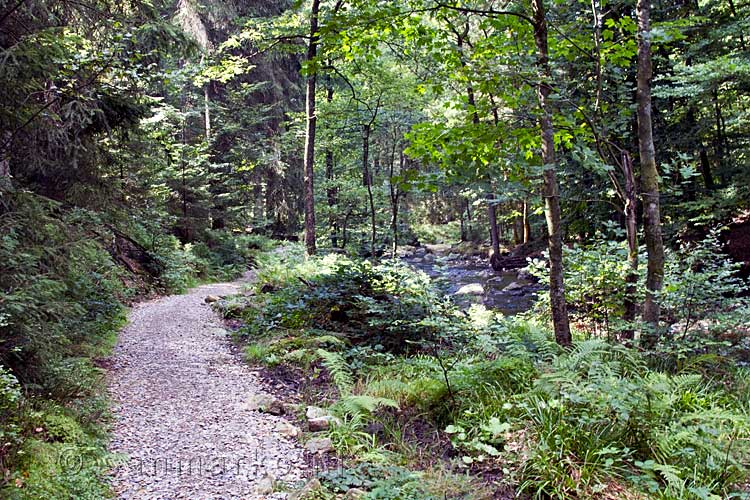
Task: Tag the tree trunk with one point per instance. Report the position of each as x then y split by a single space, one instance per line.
631 281
720 141
312 50
551 192
6 182
494 233
331 192
395 195
207 113
368 182
705 168
526 223
649 172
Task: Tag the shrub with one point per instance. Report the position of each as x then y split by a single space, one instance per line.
699 281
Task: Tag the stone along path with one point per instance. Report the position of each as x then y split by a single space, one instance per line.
181 412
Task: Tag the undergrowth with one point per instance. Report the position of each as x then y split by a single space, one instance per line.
63 288
418 386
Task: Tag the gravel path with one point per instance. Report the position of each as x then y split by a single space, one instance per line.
180 402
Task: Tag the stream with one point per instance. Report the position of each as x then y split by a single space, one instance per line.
471 280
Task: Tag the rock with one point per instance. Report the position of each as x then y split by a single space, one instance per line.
525 274
319 445
429 258
453 256
355 494
290 408
471 289
210 299
287 430
513 286
264 403
265 485
322 423
315 412
420 252
312 486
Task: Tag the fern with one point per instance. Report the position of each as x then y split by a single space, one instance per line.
361 406
339 369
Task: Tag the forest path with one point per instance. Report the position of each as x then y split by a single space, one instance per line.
181 412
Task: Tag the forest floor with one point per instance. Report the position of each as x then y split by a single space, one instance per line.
184 420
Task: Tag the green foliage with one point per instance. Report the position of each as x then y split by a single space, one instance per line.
601 412
61 289
582 423
386 307
382 482
61 303
700 281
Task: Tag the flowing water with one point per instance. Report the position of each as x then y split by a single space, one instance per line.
471 280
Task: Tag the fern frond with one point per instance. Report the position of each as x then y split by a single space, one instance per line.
339 369
360 406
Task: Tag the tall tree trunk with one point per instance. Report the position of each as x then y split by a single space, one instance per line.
551 191
631 281
367 179
312 51
649 171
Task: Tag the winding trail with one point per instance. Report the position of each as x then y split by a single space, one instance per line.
181 413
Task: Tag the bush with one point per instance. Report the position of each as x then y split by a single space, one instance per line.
699 281
385 306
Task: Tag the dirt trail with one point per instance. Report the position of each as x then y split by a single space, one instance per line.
180 404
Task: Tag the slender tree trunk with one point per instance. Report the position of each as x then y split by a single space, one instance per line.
551 190
257 212
331 192
631 281
344 227
720 142
207 113
395 195
649 171
705 168
494 233
367 178
733 10
526 223
183 184
312 51
6 182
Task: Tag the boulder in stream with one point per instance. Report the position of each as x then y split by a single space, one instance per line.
470 289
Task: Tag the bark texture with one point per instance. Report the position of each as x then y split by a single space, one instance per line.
649 172
551 192
312 51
